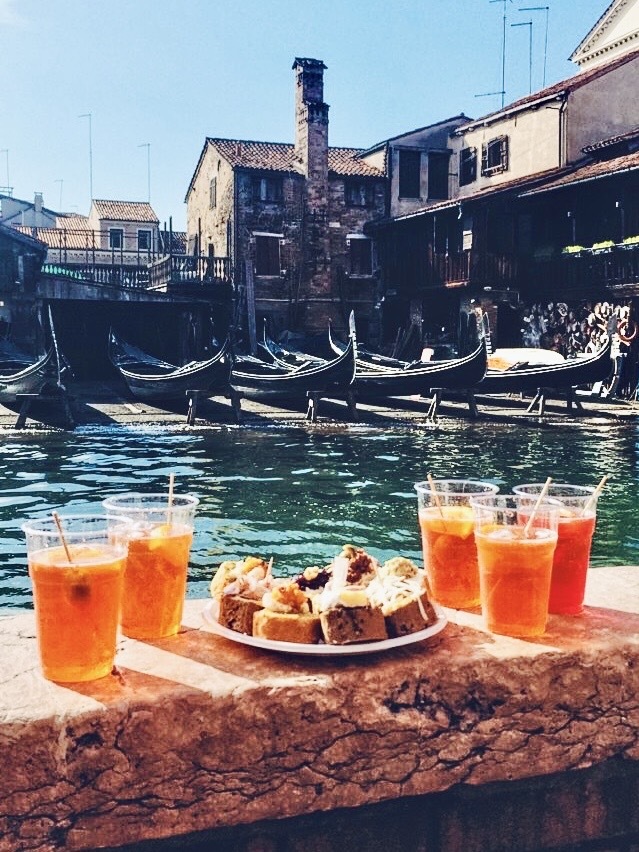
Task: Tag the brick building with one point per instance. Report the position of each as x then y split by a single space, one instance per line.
291 218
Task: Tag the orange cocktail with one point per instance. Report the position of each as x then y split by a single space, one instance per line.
515 563
156 570
577 518
446 522
155 582
77 592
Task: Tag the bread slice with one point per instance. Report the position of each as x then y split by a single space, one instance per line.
237 613
344 625
287 626
410 615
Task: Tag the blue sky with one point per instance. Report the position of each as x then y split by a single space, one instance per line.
158 77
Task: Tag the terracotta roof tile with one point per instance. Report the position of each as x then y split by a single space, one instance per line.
591 171
280 157
61 237
73 222
630 136
567 85
125 211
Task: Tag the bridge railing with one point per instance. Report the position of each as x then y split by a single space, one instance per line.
176 269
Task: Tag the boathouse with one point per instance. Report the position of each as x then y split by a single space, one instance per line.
539 203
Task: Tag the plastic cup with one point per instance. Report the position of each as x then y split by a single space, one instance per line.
577 519
160 539
77 591
446 521
515 562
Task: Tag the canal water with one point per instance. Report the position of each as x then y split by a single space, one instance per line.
298 495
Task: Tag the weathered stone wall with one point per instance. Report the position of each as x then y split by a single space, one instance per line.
212 223
197 733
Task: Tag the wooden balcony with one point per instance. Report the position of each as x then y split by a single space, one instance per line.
589 271
615 269
180 271
469 268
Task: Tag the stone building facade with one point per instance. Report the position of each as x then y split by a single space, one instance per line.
291 218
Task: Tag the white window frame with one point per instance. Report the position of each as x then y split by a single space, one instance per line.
280 242
150 239
112 233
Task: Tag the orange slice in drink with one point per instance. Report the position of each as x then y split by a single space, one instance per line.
157 536
452 520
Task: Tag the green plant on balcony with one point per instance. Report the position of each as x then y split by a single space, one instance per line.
603 246
573 249
631 241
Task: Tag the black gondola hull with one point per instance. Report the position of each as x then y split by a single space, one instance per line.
571 373
22 377
153 380
254 379
422 379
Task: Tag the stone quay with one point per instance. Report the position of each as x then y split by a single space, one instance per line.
467 740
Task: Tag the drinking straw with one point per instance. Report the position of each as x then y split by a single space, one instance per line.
595 494
438 502
170 500
58 524
542 494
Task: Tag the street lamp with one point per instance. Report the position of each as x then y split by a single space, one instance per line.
147 145
6 152
60 181
89 116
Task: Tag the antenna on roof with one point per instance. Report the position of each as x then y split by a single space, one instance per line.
503 50
545 9
528 24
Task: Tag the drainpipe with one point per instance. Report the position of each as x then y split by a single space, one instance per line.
562 132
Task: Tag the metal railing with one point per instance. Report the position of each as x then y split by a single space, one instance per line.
168 272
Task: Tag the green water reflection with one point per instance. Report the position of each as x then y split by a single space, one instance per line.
298 496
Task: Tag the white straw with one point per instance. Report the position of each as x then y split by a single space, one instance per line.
170 500
593 497
542 494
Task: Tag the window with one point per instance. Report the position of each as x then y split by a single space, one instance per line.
213 194
467 166
437 174
494 156
409 173
359 193
116 238
144 240
361 255
267 189
267 254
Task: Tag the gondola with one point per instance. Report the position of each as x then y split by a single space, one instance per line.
150 379
529 378
24 375
367 360
290 358
251 377
423 377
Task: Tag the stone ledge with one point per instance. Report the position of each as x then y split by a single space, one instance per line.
198 733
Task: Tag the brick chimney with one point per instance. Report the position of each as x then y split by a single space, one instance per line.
311 127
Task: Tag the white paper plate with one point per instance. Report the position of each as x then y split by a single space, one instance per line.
209 615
